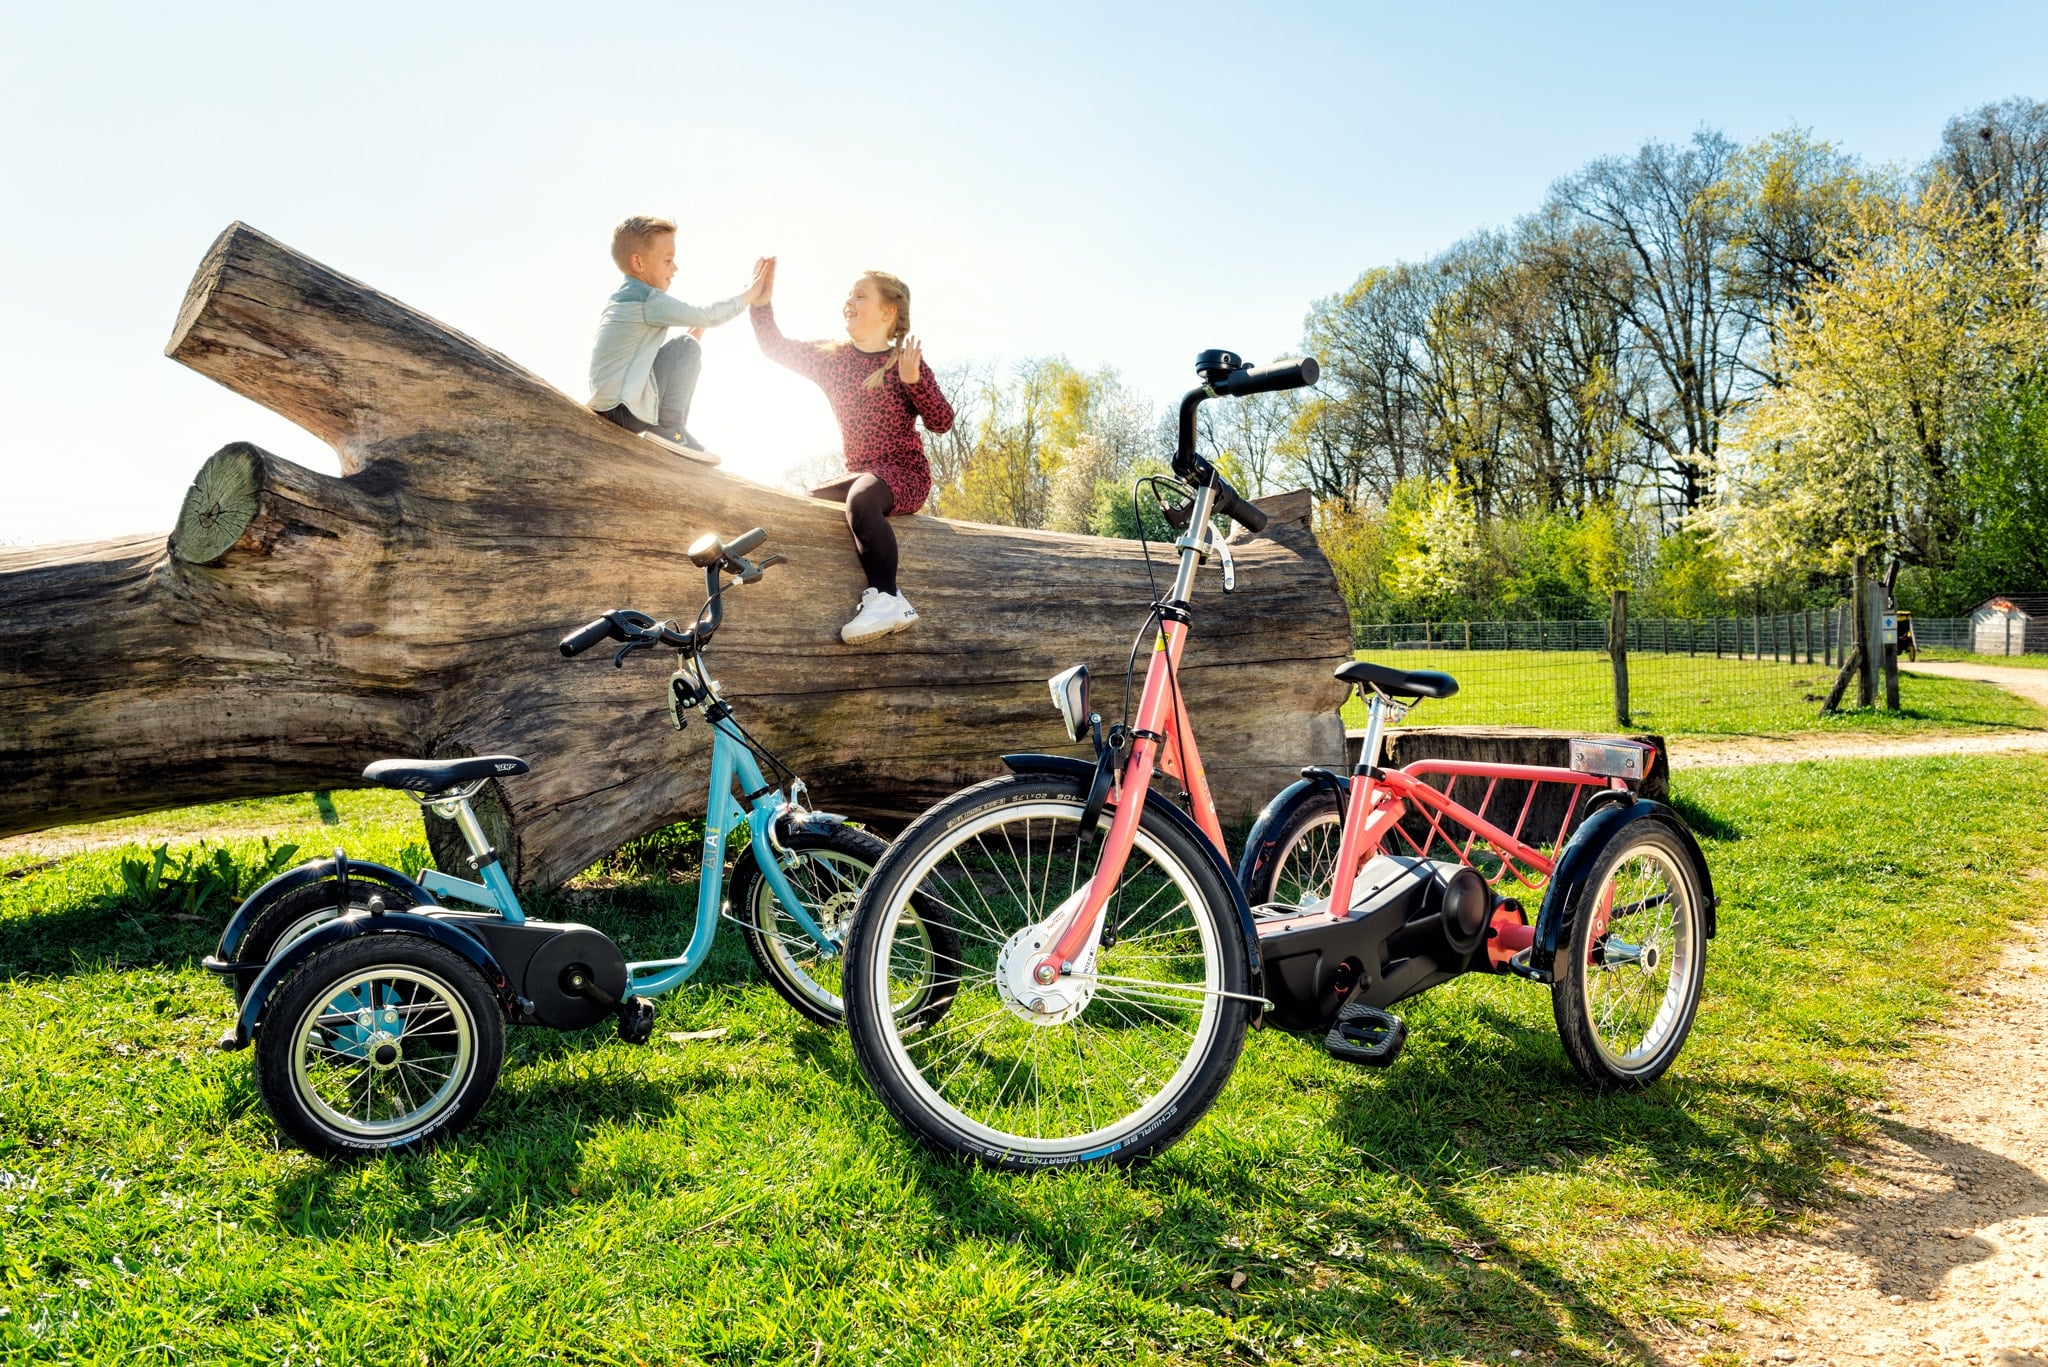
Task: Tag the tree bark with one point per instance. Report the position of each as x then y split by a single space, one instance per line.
295 626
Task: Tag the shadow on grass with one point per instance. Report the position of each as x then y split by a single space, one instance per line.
1703 822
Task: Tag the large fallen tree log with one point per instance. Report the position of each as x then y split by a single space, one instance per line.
294 626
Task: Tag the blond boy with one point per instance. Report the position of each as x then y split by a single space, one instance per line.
640 378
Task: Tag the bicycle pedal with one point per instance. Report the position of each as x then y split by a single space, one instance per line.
636 1020
1365 1034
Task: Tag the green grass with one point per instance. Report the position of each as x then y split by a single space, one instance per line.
1678 695
744 1199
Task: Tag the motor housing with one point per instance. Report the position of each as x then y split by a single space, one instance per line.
539 958
1413 923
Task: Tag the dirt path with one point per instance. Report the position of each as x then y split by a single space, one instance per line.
1944 1256
1713 752
2031 684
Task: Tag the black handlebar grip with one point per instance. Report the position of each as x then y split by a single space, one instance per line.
584 637
1266 379
746 541
1234 506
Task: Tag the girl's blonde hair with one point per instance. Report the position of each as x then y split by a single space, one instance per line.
895 294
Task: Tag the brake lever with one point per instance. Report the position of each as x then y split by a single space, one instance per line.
619 658
1229 566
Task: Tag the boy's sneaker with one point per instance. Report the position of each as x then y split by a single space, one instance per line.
673 441
880 613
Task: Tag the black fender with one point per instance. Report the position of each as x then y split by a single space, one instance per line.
1258 845
1575 867
352 926
339 869
1082 771
810 823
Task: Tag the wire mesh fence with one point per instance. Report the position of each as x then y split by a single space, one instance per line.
1729 674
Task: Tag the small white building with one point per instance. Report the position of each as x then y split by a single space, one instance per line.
2010 624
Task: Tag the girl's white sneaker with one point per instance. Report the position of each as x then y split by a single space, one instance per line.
880 613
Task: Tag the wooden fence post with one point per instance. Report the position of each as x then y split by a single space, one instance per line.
1868 633
1617 650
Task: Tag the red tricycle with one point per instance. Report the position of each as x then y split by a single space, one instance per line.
1111 959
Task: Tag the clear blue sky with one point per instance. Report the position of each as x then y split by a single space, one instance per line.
1122 183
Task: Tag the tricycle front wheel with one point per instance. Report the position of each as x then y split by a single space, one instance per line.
381 1043
1628 981
827 869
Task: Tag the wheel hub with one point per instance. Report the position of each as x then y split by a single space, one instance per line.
836 916
1038 992
373 1034
1616 954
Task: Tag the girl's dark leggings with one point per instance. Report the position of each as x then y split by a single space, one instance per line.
868 505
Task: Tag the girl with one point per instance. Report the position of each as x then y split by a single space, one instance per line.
879 387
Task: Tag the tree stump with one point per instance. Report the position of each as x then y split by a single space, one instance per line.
293 626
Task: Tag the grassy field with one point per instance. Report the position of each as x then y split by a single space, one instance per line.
1687 695
743 1199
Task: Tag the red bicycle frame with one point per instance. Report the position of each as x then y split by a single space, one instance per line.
1380 798
1161 739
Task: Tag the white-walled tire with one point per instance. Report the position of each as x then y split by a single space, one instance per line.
1116 1081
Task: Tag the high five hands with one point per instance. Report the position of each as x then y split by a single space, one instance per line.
909 360
761 289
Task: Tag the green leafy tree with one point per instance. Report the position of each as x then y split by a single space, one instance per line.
1888 372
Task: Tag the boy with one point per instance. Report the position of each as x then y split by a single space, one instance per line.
638 378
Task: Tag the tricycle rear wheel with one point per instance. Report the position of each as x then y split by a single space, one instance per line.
1628 981
382 1043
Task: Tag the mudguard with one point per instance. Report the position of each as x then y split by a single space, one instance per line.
350 927
812 823
1259 844
1575 866
1083 773
339 869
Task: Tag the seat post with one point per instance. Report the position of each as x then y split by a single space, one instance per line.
472 831
1375 729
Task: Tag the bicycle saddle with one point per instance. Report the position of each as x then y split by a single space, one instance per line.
438 776
1401 683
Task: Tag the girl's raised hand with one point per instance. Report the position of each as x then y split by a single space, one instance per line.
910 360
762 289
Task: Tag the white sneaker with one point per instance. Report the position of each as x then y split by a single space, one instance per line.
687 452
880 613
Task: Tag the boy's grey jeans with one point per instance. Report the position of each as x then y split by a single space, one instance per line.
676 367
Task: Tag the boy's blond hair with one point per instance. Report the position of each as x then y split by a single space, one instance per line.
634 235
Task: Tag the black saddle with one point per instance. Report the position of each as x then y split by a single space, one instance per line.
439 775
1400 683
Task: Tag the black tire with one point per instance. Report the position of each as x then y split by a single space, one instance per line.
325 1033
1626 989
833 865
300 912
1115 1125
1300 860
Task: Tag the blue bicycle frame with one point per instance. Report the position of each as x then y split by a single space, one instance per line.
732 762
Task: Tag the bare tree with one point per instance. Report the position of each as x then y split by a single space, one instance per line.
1665 209
1999 155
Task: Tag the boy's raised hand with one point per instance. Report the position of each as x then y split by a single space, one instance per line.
910 360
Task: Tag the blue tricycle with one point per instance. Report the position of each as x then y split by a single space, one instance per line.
378 1003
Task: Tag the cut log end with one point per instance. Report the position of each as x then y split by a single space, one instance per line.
220 505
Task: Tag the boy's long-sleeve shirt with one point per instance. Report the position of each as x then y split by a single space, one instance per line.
635 323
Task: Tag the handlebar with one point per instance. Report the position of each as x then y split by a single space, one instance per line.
584 637
638 629
1266 379
1225 500
1236 507
1225 376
